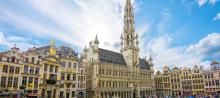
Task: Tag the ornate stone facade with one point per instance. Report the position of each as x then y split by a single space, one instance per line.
119 75
44 71
186 81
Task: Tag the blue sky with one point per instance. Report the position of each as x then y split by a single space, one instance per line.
175 32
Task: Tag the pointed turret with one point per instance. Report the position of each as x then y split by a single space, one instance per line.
84 49
150 62
96 43
96 40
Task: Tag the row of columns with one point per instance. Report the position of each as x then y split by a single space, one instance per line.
147 93
118 94
125 94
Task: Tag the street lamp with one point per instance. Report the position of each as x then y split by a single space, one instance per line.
22 87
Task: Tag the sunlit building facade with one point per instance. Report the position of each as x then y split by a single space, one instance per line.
198 80
212 78
185 81
44 71
119 74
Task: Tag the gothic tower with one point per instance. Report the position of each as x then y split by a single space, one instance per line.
129 39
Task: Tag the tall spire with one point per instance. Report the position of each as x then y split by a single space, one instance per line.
128 2
129 39
128 17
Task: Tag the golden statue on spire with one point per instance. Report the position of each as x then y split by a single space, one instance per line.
52 50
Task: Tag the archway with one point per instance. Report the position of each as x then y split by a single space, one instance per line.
80 95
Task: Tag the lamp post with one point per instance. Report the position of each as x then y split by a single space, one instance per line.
50 82
22 87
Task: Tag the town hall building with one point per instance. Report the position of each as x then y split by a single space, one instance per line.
111 74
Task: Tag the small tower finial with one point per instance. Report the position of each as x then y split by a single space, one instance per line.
96 40
128 2
84 49
52 43
52 50
121 36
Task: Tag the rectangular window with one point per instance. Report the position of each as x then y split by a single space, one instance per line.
63 64
17 70
61 85
78 78
53 77
68 77
3 82
32 60
68 85
62 76
74 65
24 80
25 69
37 70
69 64
11 70
74 77
44 78
73 93
10 79
36 83
73 85
51 68
213 82
15 83
30 81
5 69
32 70
217 82
45 67
61 94
56 69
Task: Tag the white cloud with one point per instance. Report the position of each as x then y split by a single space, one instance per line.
207 46
162 25
203 2
3 40
212 1
86 19
76 21
216 17
10 41
143 29
165 54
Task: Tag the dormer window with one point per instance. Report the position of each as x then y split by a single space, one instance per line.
26 59
32 60
13 59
